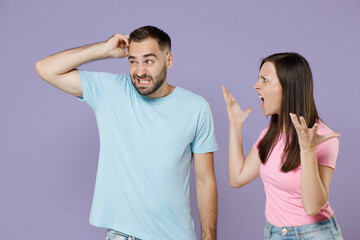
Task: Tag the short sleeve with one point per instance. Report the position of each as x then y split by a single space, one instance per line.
327 151
262 134
204 140
94 85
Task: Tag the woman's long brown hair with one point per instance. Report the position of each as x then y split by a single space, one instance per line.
296 80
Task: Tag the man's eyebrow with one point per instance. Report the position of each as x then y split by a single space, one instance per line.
145 56
150 55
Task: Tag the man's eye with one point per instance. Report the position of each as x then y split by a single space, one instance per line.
131 62
149 62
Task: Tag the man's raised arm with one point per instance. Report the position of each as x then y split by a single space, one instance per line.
60 70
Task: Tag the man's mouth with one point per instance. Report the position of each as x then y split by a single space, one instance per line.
143 81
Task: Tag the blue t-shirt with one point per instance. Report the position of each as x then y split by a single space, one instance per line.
146 145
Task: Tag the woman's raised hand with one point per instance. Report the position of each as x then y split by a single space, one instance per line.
235 114
309 139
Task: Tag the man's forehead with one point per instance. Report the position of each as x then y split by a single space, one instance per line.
147 46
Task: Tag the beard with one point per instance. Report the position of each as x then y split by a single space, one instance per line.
156 81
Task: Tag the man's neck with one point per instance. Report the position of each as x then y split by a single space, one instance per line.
165 90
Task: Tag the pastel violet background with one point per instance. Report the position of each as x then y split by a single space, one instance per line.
49 140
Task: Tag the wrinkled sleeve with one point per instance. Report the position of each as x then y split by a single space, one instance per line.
262 134
327 151
94 86
204 140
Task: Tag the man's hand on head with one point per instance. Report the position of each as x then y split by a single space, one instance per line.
117 46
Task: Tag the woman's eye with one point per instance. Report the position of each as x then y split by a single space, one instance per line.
265 80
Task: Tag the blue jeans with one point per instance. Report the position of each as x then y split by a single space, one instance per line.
115 235
325 230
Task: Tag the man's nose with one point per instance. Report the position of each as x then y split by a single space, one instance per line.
141 70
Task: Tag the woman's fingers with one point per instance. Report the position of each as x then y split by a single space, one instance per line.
303 122
229 99
309 137
315 128
326 137
295 121
248 111
232 99
225 93
232 106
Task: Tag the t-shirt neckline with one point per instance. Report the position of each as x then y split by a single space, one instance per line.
160 98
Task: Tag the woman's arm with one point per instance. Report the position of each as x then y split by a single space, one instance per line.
315 179
241 170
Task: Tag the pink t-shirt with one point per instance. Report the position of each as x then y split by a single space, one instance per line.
283 190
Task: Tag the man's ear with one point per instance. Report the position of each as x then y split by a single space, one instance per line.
169 59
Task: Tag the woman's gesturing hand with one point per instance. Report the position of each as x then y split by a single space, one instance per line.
309 139
235 114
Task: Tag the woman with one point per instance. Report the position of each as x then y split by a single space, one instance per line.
295 155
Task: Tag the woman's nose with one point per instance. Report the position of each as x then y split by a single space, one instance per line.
257 85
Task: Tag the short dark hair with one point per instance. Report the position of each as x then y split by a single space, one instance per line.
145 32
296 80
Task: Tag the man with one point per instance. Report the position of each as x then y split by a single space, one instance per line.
149 130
